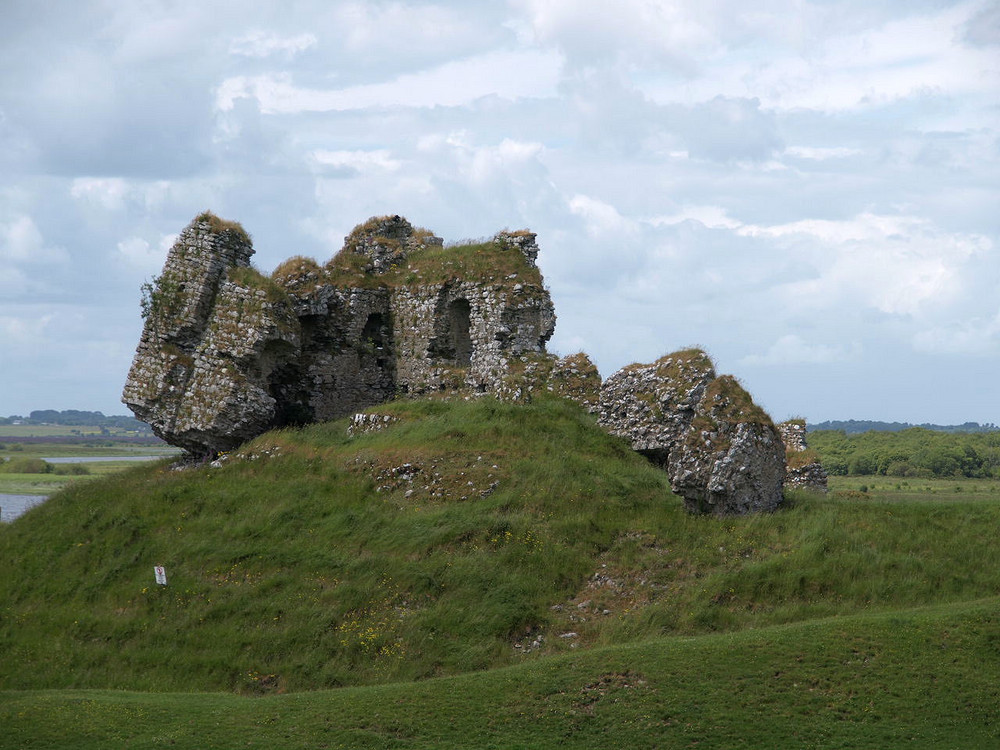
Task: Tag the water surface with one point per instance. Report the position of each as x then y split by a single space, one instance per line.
11 506
96 459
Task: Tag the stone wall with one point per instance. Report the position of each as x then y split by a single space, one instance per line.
804 470
226 353
200 373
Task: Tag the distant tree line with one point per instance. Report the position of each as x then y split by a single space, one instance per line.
75 418
913 452
852 426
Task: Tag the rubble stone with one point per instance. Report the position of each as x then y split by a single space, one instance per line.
804 470
722 452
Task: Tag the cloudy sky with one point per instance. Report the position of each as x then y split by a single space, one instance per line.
808 189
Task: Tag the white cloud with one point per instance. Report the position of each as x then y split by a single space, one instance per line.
138 254
261 44
977 337
505 73
601 219
588 31
896 264
714 217
145 33
486 162
830 64
356 161
28 330
413 30
108 193
22 242
792 349
821 153
508 162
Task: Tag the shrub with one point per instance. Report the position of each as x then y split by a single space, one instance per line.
26 466
71 470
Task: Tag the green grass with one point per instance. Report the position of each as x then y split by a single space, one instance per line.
47 484
44 430
894 489
96 448
62 474
921 678
488 262
490 575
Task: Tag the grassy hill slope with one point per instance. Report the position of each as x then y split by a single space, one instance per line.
923 678
480 536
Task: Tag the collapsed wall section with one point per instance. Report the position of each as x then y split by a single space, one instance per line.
722 452
210 339
804 470
227 353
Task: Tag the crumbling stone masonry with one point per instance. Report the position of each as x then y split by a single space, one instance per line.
227 353
803 469
722 452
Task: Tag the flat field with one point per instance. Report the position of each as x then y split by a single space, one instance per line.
894 489
58 446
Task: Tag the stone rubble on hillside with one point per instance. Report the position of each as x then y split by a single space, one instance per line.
723 454
364 423
575 377
804 471
227 353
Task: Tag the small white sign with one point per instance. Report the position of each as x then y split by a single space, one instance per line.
161 574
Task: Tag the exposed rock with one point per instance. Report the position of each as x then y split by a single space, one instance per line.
215 331
386 241
575 377
365 422
722 452
227 353
804 470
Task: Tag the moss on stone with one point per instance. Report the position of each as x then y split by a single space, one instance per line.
481 262
349 270
250 278
798 459
296 270
577 378
222 226
680 364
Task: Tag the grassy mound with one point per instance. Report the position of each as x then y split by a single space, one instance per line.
464 537
923 678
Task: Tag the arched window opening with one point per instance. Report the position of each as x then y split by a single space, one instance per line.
375 335
459 322
452 342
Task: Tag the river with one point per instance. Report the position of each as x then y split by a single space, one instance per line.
95 459
11 506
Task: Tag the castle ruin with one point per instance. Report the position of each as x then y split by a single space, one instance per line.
227 353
